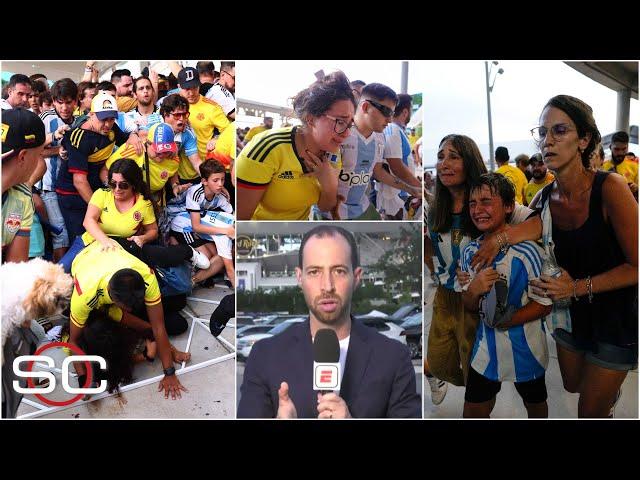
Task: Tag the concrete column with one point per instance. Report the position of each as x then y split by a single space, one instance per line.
622 114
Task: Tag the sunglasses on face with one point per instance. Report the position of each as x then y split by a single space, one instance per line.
558 132
121 185
383 109
180 114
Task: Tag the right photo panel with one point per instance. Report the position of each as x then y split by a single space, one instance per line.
530 239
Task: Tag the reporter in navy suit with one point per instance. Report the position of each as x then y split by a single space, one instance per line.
378 380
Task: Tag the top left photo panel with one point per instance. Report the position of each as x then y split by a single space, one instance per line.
118 239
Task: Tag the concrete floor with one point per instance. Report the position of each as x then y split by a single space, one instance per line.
562 404
211 392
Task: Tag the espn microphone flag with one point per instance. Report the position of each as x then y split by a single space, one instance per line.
326 360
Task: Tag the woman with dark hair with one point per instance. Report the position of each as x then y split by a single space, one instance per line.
123 215
590 221
283 172
449 230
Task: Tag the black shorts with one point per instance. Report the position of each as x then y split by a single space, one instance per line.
480 389
189 239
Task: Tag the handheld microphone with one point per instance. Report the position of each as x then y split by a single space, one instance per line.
326 361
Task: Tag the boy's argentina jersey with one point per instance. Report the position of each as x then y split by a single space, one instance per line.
359 155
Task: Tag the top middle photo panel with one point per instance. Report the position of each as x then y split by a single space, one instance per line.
329 140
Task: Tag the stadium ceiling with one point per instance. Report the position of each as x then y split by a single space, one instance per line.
54 70
614 75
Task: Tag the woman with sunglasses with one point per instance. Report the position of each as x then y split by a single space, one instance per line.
283 172
123 215
590 219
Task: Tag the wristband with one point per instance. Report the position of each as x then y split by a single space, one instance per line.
169 371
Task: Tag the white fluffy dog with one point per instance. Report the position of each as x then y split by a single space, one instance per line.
31 290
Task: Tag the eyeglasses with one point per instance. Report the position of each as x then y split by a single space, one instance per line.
121 185
180 114
224 71
340 126
383 109
558 132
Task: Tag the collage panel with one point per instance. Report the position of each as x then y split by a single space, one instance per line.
329 321
531 301
329 140
118 238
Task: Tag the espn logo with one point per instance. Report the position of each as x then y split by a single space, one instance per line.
326 376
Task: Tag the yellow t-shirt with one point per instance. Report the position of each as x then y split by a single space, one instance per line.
92 269
516 177
628 169
253 131
126 103
119 224
225 150
17 213
204 116
270 162
532 187
160 171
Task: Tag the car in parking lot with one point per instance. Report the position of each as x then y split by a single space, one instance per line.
246 343
388 329
412 332
252 329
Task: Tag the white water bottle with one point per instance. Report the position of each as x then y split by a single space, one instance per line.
551 268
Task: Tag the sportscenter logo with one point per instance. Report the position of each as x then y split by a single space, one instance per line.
29 374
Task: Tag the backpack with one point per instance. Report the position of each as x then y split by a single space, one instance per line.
174 280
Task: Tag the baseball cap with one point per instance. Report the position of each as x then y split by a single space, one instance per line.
21 129
188 78
104 106
161 137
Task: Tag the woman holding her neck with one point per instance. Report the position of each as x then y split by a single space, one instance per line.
592 218
283 172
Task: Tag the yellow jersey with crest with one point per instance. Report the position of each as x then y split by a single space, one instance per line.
270 162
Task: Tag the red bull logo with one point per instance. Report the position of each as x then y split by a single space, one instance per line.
13 222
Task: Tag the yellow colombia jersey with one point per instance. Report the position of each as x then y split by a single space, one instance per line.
92 269
628 169
225 150
119 224
532 187
17 213
253 131
161 171
270 162
516 177
204 116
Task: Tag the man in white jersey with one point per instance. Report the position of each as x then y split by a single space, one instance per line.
362 156
223 90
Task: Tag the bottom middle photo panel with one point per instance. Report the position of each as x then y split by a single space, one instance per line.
329 320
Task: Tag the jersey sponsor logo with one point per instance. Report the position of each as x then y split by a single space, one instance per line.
137 216
354 178
200 116
13 222
287 175
5 130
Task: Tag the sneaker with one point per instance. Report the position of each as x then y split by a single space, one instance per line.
199 260
438 389
216 328
615 402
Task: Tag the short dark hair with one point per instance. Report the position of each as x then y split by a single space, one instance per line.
17 78
522 158
127 287
64 88
171 102
322 94
135 83
404 101
582 115
621 137
209 167
498 185
38 87
83 87
331 231
118 74
106 85
37 76
378 91
205 67
45 97
357 83
228 65
502 154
